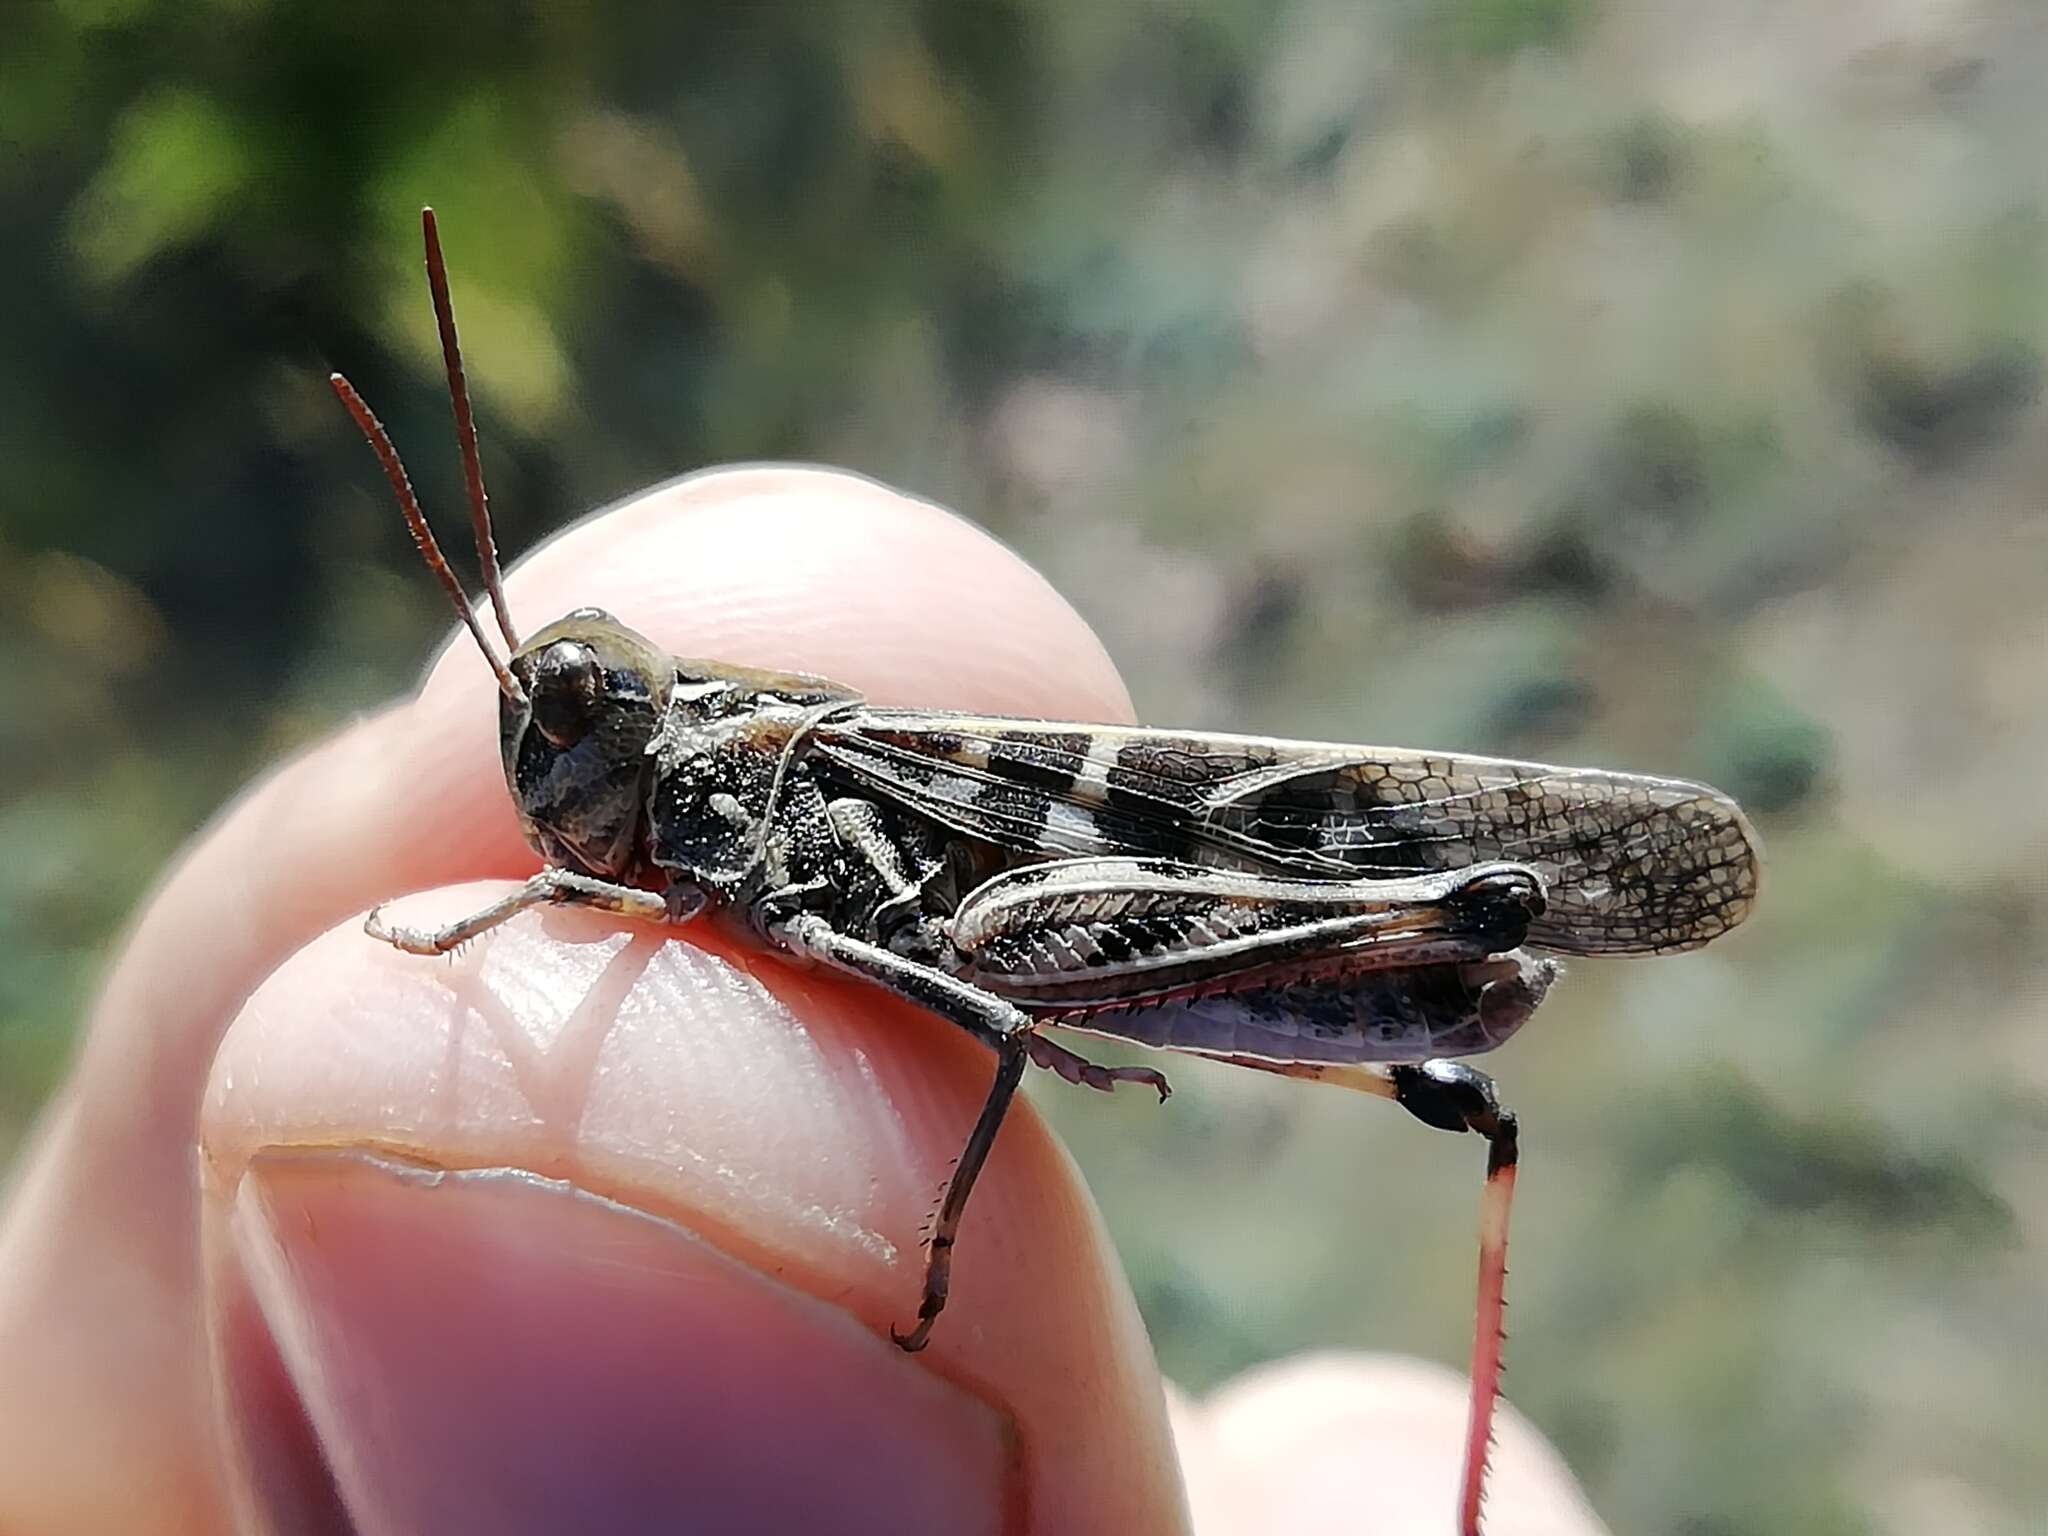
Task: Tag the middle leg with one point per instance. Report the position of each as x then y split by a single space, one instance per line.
1000 1025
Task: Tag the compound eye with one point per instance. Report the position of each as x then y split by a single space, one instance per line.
568 686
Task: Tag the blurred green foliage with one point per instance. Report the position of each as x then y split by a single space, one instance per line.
1642 385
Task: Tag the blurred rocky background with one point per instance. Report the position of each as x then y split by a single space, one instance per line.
1653 385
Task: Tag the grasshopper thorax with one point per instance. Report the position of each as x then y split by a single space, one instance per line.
575 740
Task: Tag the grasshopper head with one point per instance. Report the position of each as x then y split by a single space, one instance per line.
574 739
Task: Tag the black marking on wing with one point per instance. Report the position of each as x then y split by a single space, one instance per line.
1050 759
1631 865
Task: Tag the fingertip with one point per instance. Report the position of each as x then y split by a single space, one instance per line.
785 567
799 1127
1315 1441
494 1351
1206 1475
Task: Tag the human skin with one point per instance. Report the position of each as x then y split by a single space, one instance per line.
597 1223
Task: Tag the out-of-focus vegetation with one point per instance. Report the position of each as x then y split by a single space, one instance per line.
1653 385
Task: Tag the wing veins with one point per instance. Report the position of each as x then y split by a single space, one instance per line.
1653 849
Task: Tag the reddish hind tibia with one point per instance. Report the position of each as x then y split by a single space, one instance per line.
1488 1319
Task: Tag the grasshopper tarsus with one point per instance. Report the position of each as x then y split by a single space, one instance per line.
914 1341
1072 1067
412 941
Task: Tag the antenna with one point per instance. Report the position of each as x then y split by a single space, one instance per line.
423 536
465 429
472 469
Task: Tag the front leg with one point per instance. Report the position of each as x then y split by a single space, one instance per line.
559 887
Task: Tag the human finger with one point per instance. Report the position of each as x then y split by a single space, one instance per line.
99 1254
737 1160
1334 1443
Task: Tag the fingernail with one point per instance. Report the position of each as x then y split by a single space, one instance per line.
491 1351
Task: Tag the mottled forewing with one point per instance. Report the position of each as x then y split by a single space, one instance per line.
1631 865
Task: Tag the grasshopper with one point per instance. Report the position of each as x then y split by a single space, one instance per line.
1344 914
